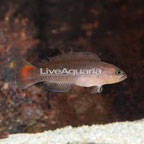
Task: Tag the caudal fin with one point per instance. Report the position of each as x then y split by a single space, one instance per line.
25 74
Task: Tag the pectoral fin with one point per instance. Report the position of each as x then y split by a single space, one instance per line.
96 89
58 87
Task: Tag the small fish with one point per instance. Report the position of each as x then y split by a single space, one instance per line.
62 72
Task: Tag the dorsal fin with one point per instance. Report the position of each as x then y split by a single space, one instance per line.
76 56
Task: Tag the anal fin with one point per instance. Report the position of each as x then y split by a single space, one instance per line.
58 87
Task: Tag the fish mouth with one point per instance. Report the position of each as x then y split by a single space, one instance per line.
123 77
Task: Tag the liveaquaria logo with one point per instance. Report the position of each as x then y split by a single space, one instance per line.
69 72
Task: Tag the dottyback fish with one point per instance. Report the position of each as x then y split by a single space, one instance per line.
61 73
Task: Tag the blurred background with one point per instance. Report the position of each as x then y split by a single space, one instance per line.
37 29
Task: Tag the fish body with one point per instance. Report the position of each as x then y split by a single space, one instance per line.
60 73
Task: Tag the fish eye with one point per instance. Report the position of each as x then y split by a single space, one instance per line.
118 72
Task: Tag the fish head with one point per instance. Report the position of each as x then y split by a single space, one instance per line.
112 74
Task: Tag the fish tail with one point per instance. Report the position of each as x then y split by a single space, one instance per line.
25 74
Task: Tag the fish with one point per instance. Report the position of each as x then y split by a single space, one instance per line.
60 73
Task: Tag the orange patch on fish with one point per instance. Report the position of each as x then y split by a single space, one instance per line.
27 69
